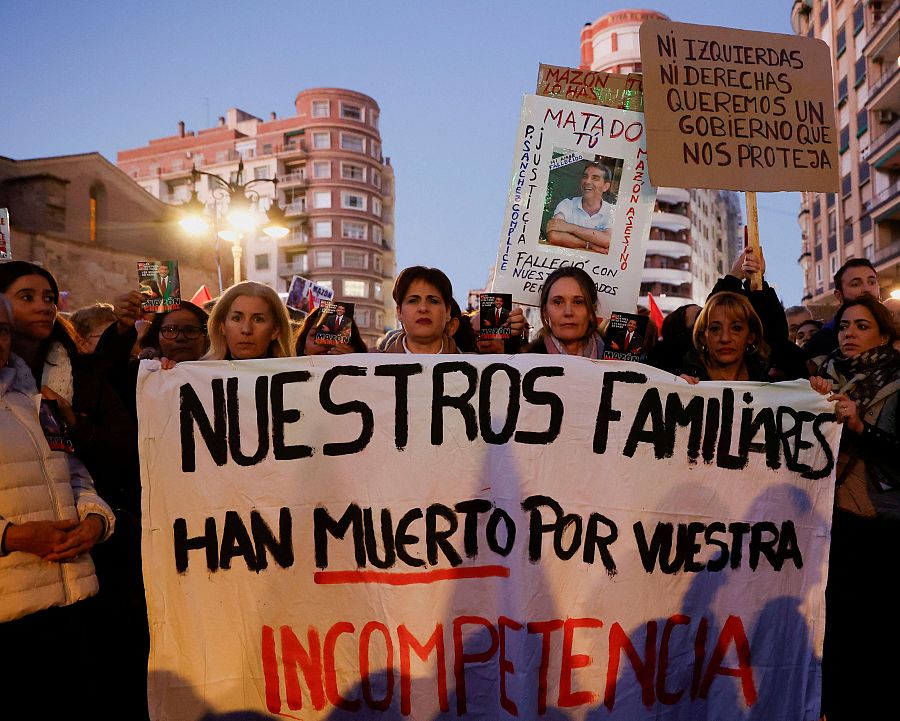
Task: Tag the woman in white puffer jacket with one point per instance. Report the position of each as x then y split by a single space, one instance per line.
50 517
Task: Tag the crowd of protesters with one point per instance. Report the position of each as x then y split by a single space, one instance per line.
69 472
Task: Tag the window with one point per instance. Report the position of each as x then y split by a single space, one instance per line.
350 141
864 172
352 229
351 112
322 199
322 229
841 41
833 265
376 178
362 317
379 319
844 141
352 171
324 259
261 172
221 155
846 185
321 141
859 18
869 252
848 231
262 261
862 122
321 169
356 288
376 234
376 150
860 70
819 274
832 223
355 260
373 118
378 291
321 108
865 224
92 210
823 14
267 149
325 283
842 91
377 263
353 201
376 207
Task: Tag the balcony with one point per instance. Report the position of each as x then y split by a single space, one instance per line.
673 276
669 248
295 177
298 207
673 195
293 239
289 270
884 93
293 149
885 205
876 35
670 221
887 254
883 148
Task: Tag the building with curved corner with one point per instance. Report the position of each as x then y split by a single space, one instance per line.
336 187
695 234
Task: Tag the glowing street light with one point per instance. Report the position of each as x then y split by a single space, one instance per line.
242 216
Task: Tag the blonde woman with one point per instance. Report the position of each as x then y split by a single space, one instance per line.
249 321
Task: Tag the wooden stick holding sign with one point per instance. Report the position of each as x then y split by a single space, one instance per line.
752 238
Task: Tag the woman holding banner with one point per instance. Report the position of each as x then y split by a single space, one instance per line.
728 342
423 297
50 518
569 316
862 377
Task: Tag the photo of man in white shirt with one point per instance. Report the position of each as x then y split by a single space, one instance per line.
585 221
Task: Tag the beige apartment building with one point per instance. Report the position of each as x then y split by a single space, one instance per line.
863 218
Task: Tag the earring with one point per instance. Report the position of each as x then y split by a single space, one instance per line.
751 348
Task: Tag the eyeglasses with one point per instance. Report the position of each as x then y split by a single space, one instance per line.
191 332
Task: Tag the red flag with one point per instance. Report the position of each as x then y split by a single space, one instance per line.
655 314
201 296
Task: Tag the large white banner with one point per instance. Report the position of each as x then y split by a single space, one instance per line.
579 195
487 537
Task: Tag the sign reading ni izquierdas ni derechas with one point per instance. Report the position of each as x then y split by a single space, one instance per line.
738 110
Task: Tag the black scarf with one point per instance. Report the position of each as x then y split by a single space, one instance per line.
864 375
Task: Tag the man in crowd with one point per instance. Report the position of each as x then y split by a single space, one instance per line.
797 315
854 278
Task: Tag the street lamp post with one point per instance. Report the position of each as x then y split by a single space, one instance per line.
241 216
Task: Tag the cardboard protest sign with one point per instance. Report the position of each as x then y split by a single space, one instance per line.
449 536
738 110
579 196
612 90
5 233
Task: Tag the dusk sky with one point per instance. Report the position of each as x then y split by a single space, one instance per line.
449 77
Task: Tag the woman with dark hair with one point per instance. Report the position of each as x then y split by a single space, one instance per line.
50 518
179 335
44 339
728 342
677 338
569 315
423 297
862 378
304 345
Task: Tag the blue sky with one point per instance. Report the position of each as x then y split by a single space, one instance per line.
449 77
